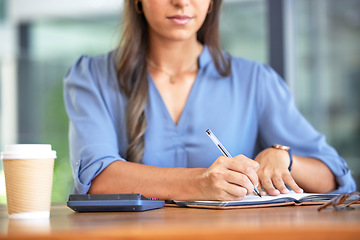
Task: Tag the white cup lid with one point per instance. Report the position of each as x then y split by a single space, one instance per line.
28 151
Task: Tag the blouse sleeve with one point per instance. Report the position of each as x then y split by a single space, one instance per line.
92 135
281 122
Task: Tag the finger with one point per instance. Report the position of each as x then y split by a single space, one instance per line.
225 191
252 176
290 182
235 192
239 171
261 190
220 189
245 166
240 180
279 184
269 187
247 161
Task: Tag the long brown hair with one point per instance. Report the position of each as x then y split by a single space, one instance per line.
132 68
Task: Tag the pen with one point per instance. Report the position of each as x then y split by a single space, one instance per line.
224 151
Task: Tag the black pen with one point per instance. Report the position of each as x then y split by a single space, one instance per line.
225 152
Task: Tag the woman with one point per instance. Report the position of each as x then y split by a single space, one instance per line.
138 115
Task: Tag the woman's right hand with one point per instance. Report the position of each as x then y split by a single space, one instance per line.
229 178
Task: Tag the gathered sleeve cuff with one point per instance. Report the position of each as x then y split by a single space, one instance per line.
91 165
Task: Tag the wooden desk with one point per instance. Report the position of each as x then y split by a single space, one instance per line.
279 223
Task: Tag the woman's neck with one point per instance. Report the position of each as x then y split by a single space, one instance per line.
174 56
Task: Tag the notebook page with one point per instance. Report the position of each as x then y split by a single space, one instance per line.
254 198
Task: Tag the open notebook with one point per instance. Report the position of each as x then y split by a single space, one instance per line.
252 201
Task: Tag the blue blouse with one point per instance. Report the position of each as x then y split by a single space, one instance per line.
248 111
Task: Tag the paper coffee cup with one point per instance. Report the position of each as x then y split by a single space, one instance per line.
28 170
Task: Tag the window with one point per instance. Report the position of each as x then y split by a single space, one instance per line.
243 29
49 49
328 72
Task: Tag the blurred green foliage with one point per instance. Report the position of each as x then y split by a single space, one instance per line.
55 132
2 10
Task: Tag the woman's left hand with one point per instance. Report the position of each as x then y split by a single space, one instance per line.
274 174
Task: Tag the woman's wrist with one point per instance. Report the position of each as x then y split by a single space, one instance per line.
190 184
288 150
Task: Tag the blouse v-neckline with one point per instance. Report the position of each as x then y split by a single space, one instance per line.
164 107
204 58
